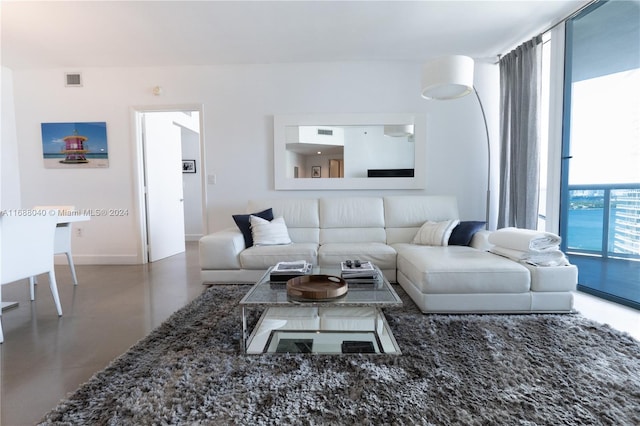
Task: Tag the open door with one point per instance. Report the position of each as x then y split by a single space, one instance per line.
164 192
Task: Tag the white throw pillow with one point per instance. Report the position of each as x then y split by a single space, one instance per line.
268 233
435 233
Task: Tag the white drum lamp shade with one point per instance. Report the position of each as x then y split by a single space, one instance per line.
451 77
448 77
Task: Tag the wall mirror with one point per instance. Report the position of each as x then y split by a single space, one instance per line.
349 151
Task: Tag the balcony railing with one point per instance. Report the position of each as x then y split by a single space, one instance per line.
603 220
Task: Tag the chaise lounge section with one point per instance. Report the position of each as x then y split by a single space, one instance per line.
439 277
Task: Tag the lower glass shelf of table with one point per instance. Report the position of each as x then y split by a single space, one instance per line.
368 332
327 342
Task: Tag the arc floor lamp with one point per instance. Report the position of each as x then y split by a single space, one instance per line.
451 77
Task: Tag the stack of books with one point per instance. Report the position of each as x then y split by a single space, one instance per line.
358 270
284 271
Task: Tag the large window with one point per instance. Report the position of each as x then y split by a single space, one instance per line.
601 149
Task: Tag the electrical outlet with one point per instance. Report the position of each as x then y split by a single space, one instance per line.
79 232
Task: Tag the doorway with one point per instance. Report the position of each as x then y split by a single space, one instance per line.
171 190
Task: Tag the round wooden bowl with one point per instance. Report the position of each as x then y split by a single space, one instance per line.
316 287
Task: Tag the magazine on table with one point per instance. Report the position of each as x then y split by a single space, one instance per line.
284 271
356 269
284 268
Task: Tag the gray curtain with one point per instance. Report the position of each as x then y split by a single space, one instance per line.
519 135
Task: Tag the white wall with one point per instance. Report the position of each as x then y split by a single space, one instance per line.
192 186
238 107
368 148
10 183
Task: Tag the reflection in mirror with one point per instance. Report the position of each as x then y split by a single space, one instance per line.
349 151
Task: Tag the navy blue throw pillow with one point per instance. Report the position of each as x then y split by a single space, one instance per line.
242 220
463 233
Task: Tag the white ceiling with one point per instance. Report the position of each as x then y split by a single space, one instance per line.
71 34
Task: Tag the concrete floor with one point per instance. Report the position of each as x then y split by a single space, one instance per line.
45 357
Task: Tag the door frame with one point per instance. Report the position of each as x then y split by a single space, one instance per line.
139 176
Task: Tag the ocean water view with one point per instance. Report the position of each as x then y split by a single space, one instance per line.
585 229
590 209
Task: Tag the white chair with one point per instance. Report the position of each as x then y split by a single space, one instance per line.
62 239
27 251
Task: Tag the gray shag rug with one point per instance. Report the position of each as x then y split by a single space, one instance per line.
455 369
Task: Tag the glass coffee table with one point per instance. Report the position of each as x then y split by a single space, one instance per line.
352 323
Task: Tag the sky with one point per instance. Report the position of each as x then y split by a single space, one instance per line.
605 130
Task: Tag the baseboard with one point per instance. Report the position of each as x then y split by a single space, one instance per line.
193 237
115 259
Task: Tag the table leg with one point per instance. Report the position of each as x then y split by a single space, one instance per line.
243 343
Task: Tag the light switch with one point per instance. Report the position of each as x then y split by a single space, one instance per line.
211 179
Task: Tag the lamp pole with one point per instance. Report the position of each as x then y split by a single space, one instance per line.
486 129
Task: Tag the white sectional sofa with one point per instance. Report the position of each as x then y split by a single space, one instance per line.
439 278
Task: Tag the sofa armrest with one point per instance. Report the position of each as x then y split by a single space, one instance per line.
221 249
480 240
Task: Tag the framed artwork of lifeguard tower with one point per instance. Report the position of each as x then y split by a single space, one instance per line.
75 145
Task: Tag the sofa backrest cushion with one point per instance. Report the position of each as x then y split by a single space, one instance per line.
391 219
351 220
300 215
404 215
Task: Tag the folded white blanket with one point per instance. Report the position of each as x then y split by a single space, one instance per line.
525 239
546 258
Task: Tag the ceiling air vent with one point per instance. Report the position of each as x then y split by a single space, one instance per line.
326 132
73 79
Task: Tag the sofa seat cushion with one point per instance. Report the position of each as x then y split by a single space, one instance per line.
460 270
380 254
263 257
553 278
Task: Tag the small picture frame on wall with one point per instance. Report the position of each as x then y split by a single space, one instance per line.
316 171
188 166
